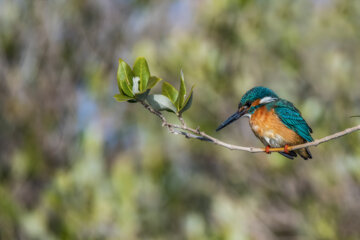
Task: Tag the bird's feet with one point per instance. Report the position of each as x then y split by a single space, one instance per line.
267 149
286 150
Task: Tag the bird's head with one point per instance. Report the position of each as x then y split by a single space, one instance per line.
251 100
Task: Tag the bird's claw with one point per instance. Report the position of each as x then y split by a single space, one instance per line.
286 150
267 149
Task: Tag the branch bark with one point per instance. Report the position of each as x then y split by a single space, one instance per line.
197 134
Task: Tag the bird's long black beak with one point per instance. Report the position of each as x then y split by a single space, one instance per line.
232 118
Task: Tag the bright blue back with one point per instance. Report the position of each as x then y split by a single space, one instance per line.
292 118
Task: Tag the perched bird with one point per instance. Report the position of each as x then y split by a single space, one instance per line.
275 121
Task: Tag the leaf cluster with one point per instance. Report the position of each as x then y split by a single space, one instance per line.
135 85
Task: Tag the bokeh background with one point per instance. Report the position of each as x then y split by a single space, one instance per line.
76 164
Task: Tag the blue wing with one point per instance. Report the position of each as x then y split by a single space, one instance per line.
292 118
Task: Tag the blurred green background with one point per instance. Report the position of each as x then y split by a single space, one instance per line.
75 164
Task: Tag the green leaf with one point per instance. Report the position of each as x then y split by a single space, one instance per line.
126 89
121 98
153 81
182 92
142 96
141 70
124 77
160 102
188 101
169 91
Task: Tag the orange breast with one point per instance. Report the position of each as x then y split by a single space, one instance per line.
267 126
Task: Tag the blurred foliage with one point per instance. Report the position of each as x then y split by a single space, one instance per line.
75 164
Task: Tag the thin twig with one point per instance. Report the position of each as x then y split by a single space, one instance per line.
157 113
182 121
197 134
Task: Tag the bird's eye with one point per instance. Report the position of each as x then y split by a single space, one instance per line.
248 104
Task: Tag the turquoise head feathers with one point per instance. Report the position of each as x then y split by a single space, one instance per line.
257 93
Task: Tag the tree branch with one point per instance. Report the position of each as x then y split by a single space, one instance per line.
197 134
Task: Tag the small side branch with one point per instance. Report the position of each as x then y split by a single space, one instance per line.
197 134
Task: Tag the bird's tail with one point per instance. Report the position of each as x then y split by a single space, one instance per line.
304 153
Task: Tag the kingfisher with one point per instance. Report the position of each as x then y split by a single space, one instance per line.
275 121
